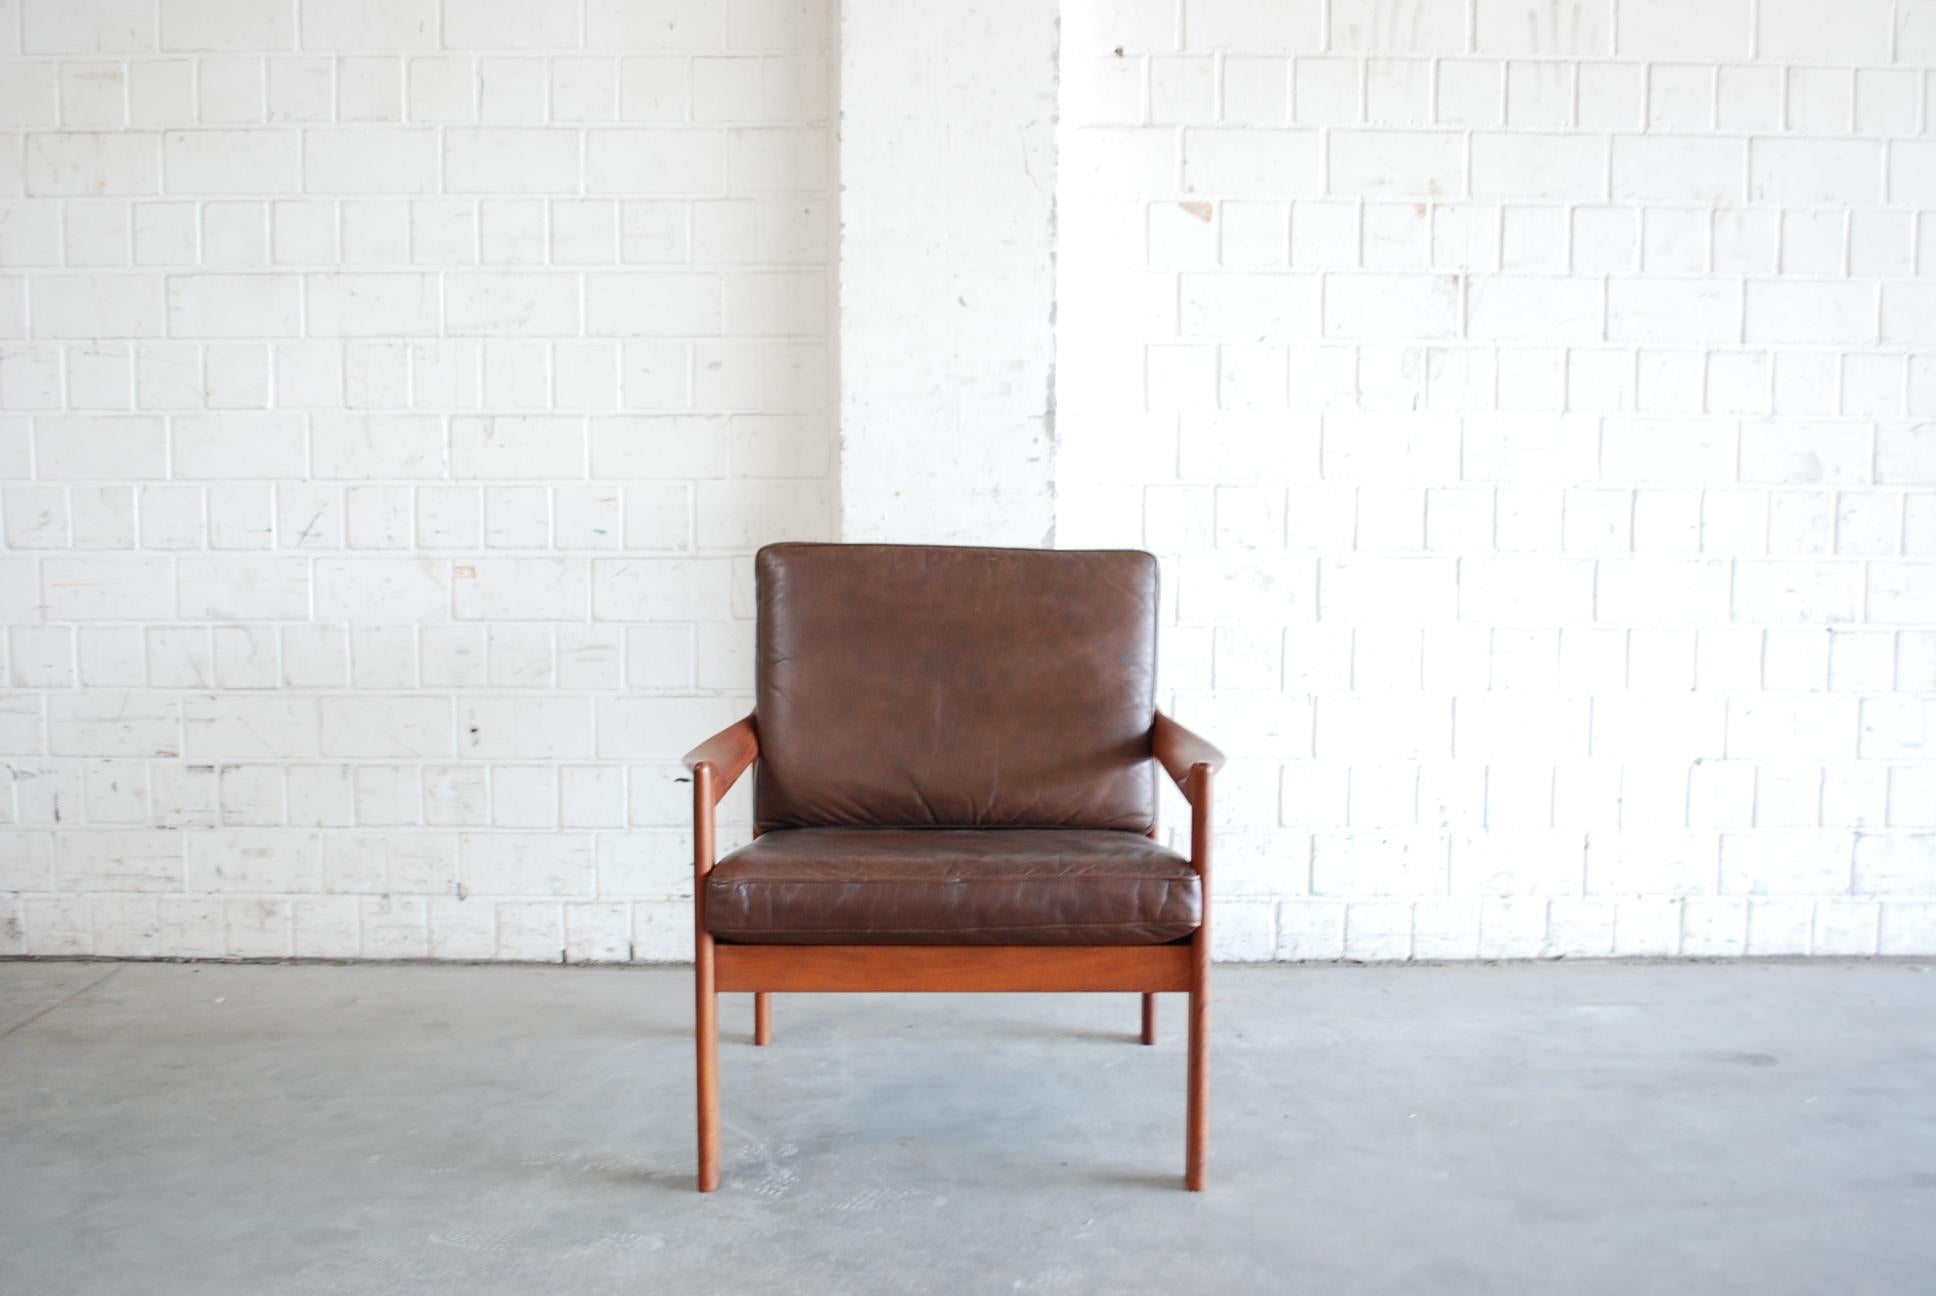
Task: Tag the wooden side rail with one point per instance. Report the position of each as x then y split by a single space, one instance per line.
951 968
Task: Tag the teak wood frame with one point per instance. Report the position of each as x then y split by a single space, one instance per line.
717 764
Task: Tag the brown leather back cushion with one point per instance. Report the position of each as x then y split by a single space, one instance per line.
928 686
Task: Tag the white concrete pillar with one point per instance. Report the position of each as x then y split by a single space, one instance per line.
947 279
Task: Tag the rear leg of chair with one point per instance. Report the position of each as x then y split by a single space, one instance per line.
1149 1019
706 1031
762 1018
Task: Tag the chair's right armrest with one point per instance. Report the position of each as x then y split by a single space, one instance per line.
1181 752
729 752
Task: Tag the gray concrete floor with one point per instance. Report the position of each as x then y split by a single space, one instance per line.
1577 1128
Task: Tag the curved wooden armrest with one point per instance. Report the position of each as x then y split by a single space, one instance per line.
1181 752
729 752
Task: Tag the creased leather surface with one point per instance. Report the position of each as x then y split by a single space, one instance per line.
888 886
914 686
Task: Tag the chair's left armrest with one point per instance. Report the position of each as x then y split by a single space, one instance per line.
1182 753
730 752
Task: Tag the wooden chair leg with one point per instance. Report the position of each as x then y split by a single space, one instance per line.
1149 1019
706 1028
762 1018
1197 1116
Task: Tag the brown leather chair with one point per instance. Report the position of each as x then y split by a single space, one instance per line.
955 790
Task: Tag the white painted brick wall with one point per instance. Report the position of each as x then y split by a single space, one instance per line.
391 397
947 281
1534 405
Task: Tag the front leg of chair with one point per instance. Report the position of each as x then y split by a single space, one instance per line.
1197 1113
715 764
706 996
762 1017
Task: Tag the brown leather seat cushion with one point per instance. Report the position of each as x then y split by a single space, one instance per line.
939 886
